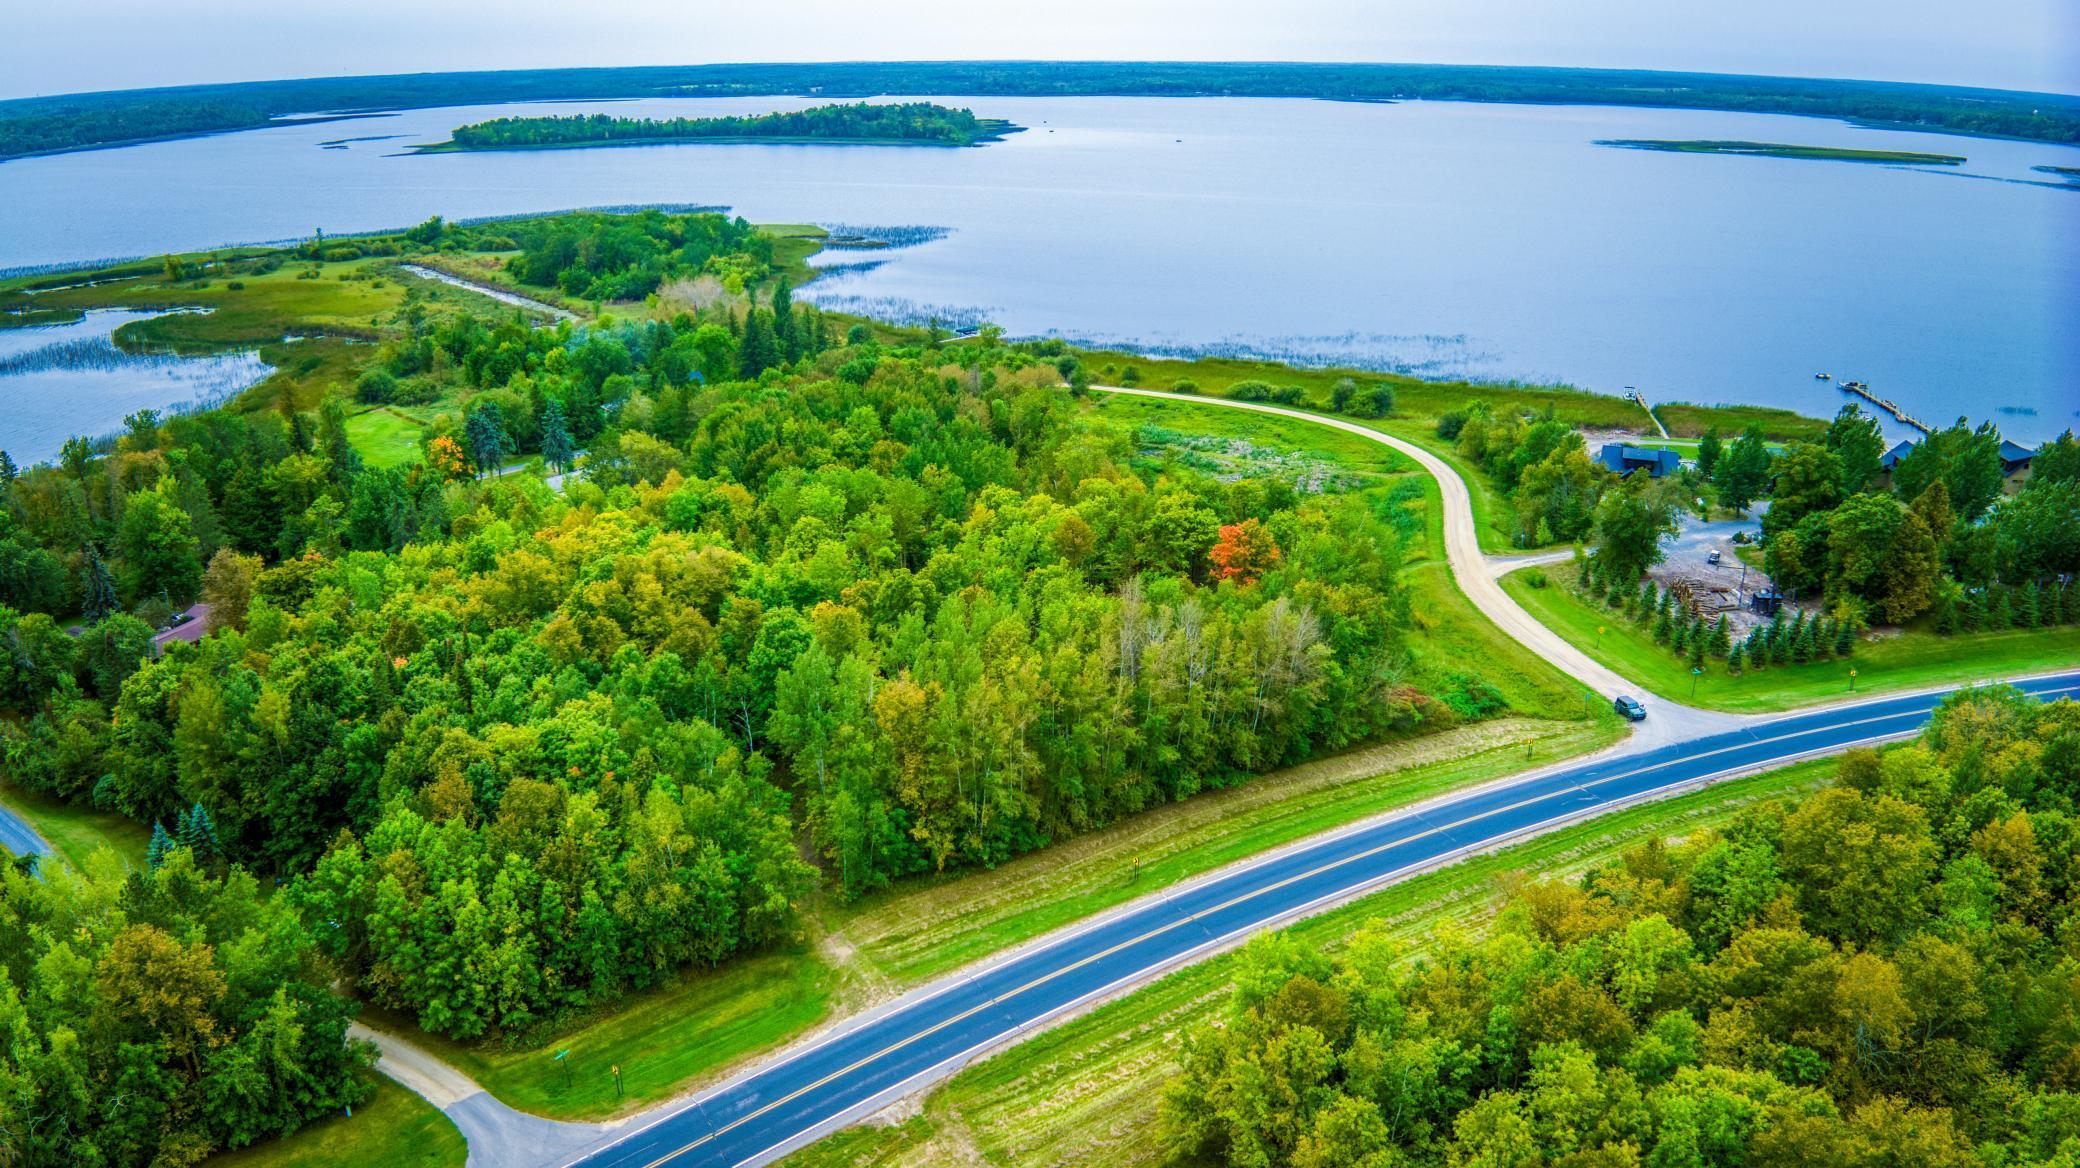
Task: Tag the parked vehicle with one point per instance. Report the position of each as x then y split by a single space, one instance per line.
1712 557
1631 710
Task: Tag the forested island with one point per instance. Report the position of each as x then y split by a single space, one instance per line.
44 125
1782 150
916 123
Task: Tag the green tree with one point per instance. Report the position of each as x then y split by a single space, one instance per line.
486 436
1858 446
1744 473
158 554
558 451
1630 523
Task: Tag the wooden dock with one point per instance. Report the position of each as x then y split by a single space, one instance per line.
1887 404
1641 398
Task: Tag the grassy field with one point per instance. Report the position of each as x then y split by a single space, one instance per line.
1908 660
78 832
394 1129
386 436
1087 1091
1419 403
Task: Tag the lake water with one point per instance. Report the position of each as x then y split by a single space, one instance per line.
58 381
1440 239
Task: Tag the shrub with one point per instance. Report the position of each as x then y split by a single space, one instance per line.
1450 423
1184 385
1254 391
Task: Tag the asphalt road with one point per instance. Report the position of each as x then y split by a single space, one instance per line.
932 1032
17 837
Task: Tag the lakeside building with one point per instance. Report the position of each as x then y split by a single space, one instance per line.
1626 459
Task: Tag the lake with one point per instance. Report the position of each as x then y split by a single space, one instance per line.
58 381
1440 239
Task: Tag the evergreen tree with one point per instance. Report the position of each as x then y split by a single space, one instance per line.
1779 641
784 330
1844 639
99 589
760 350
1802 643
557 449
1664 626
9 472
1709 448
198 834
1722 638
486 435
2028 609
162 843
2000 614
1697 647
1972 613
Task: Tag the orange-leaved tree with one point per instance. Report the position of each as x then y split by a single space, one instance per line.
1244 552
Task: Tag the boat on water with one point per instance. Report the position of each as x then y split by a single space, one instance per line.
1822 377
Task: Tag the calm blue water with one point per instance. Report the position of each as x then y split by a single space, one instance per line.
57 381
1441 239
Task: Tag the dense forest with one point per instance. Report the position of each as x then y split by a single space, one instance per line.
83 121
1879 975
918 123
515 750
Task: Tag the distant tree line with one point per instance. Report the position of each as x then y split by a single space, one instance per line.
917 121
82 121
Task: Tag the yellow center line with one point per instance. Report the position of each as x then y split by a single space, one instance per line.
1225 905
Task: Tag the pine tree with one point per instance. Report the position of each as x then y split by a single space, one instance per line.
9 472
1679 637
486 435
1802 644
162 843
1972 613
760 350
1697 647
784 332
1780 642
1722 638
198 834
1664 627
2000 615
99 588
1646 600
1844 639
557 449
2029 613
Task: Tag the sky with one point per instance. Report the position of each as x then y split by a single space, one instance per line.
119 44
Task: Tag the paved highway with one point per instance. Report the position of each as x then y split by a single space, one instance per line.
930 1033
17 837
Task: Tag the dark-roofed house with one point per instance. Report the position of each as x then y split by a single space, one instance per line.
2015 459
1892 456
1626 459
187 626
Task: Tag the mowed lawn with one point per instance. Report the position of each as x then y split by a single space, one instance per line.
1911 659
76 833
1088 1091
385 436
393 1129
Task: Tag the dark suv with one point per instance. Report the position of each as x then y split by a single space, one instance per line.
1630 709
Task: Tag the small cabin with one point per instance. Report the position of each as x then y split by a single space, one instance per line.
1626 459
2015 459
1893 456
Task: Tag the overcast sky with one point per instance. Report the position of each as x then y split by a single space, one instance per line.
120 44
